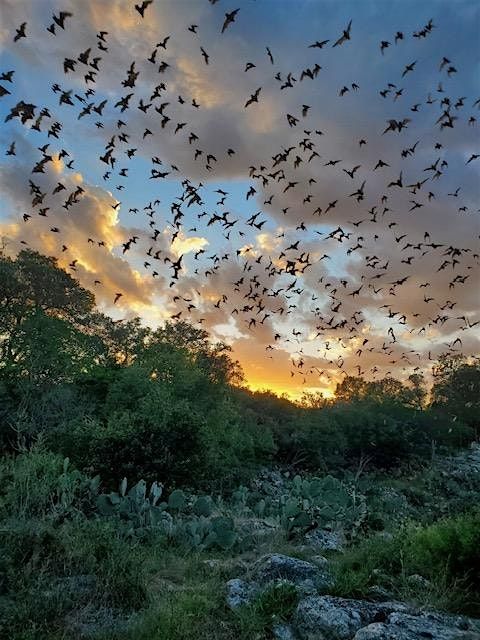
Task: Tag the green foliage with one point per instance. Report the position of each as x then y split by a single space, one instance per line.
98 547
122 400
385 433
156 428
176 500
223 533
445 554
384 507
373 561
190 614
354 389
195 609
203 506
457 388
42 308
56 555
325 501
139 513
139 510
453 544
41 484
35 281
116 397
203 533
213 360
276 604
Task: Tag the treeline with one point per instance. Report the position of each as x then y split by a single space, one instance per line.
121 400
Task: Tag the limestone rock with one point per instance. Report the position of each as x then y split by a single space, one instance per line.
323 540
240 593
320 619
301 573
401 626
283 632
331 618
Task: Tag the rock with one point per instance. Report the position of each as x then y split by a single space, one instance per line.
325 540
272 568
240 593
401 626
256 527
417 580
283 632
331 618
464 465
320 619
301 573
377 592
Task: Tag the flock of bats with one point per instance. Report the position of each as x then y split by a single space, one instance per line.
273 292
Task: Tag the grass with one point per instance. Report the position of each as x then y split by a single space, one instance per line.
187 601
445 555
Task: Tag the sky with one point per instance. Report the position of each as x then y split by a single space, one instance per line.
315 237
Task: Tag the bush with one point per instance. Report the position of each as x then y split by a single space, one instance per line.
453 544
446 554
41 484
56 555
177 431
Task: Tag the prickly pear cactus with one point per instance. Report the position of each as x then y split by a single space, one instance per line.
326 501
134 507
203 506
176 500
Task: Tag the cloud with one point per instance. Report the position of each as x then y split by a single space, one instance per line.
76 245
183 244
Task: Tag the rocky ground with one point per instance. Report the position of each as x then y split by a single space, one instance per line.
323 617
270 570
319 616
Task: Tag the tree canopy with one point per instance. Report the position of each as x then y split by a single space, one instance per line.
121 398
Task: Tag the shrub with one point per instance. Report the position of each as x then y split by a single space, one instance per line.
453 544
56 555
41 484
446 554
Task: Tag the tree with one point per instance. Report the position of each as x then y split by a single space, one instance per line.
212 358
311 400
32 289
49 350
457 388
33 280
351 388
415 395
124 340
385 390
